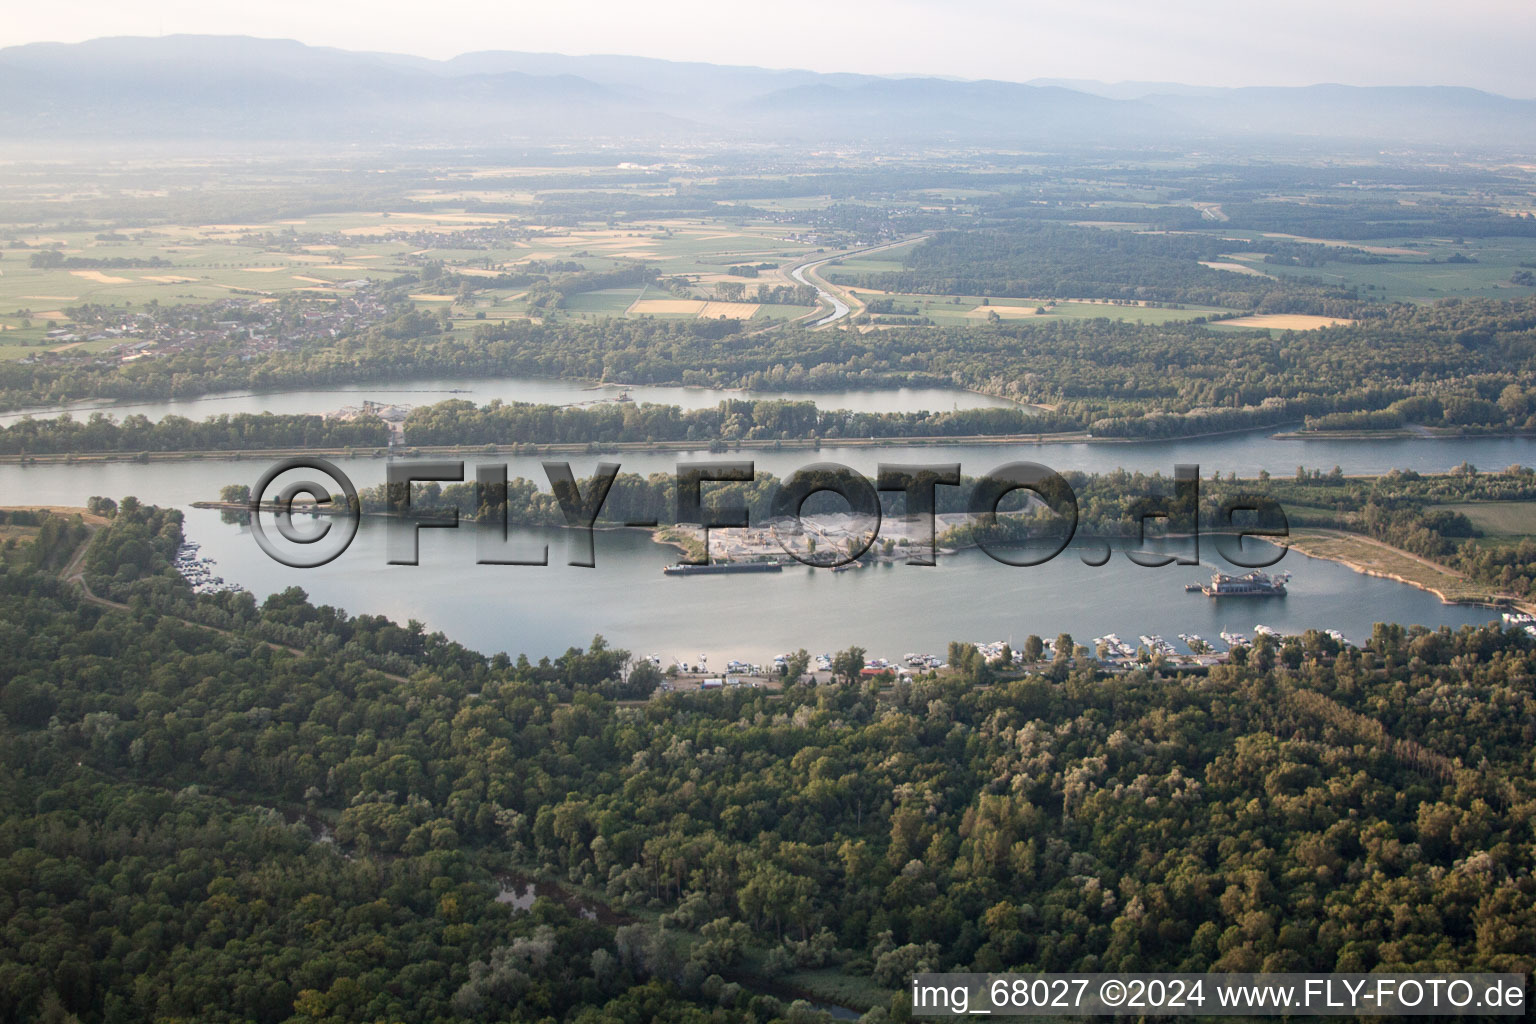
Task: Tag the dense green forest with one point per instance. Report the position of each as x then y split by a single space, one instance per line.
1311 809
456 422
136 433
1248 199
1046 260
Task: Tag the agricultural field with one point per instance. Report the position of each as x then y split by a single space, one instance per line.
1500 518
1413 269
1282 322
962 310
1404 268
46 271
177 263
487 244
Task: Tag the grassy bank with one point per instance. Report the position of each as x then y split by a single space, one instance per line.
1372 557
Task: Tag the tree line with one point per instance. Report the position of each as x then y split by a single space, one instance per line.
1111 378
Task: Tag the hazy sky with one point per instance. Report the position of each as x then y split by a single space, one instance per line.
1482 43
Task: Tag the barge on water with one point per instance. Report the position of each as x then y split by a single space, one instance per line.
718 568
1252 584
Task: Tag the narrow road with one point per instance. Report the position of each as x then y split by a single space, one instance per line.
74 574
842 305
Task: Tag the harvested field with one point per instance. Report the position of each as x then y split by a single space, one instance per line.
1004 312
463 218
167 278
1379 250
1236 268
666 306
729 310
99 277
1287 321
428 297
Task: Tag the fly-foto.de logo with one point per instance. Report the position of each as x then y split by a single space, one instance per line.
1019 514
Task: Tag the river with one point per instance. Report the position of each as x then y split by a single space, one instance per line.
180 483
890 610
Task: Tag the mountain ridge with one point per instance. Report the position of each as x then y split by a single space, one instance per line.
187 86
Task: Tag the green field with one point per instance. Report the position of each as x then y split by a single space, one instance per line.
871 263
962 310
609 301
1501 518
202 264
312 255
12 352
1424 274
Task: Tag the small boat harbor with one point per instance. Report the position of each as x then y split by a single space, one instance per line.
1112 650
1109 651
198 572
1520 620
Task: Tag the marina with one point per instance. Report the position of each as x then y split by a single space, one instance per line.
1109 651
198 571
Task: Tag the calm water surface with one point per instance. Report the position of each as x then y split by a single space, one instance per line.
890 610
180 483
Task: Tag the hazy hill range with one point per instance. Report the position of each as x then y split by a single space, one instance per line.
219 87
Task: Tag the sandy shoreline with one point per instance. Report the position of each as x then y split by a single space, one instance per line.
1309 544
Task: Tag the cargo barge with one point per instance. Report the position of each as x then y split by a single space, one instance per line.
717 568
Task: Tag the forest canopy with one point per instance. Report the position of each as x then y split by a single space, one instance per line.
164 786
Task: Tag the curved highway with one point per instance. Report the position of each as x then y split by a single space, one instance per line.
840 308
804 274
